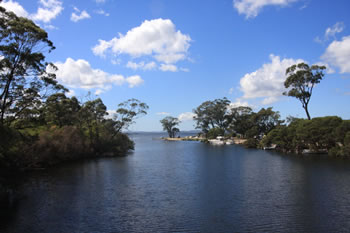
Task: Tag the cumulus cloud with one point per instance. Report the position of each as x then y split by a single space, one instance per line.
251 8
156 38
186 116
141 65
47 11
134 81
78 15
80 74
239 103
15 7
338 54
168 67
268 81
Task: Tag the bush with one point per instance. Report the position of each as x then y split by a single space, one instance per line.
57 145
342 150
251 143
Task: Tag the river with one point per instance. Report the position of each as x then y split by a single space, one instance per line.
186 187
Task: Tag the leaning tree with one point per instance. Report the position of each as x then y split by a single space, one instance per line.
301 79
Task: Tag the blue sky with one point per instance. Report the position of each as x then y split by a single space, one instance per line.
174 55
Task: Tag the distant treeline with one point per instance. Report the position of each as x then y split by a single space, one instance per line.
265 128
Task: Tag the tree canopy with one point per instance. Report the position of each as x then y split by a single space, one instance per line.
23 77
169 124
212 114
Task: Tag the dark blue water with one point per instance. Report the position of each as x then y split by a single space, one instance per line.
186 187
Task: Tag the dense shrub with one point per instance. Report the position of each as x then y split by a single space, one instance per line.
251 143
323 134
59 144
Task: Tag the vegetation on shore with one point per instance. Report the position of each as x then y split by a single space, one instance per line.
169 124
39 124
265 129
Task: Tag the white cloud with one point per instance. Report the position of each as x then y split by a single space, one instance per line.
168 67
70 93
100 1
48 11
15 7
331 32
157 38
186 116
134 81
337 28
162 113
239 103
79 74
338 54
142 65
102 12
75 17
50 27
268 81
251 8
111 114
185 69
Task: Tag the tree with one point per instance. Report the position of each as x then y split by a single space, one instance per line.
60 110
239 120
23 75
212 114
169 124
301 78
92 114
128 112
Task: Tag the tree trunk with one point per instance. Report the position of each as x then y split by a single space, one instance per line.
307 112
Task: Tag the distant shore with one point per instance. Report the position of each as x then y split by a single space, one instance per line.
236 140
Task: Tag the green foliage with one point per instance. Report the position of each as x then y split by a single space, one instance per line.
284 137
264 121
301 79
128 112
60 110
40 126
212 114
169 124
322 134
215 132
23 76
240 121
318 133
251 143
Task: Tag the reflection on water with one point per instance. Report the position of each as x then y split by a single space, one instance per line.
186 187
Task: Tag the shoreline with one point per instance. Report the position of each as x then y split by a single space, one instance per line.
237 141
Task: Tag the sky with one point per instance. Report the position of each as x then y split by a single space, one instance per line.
175 54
